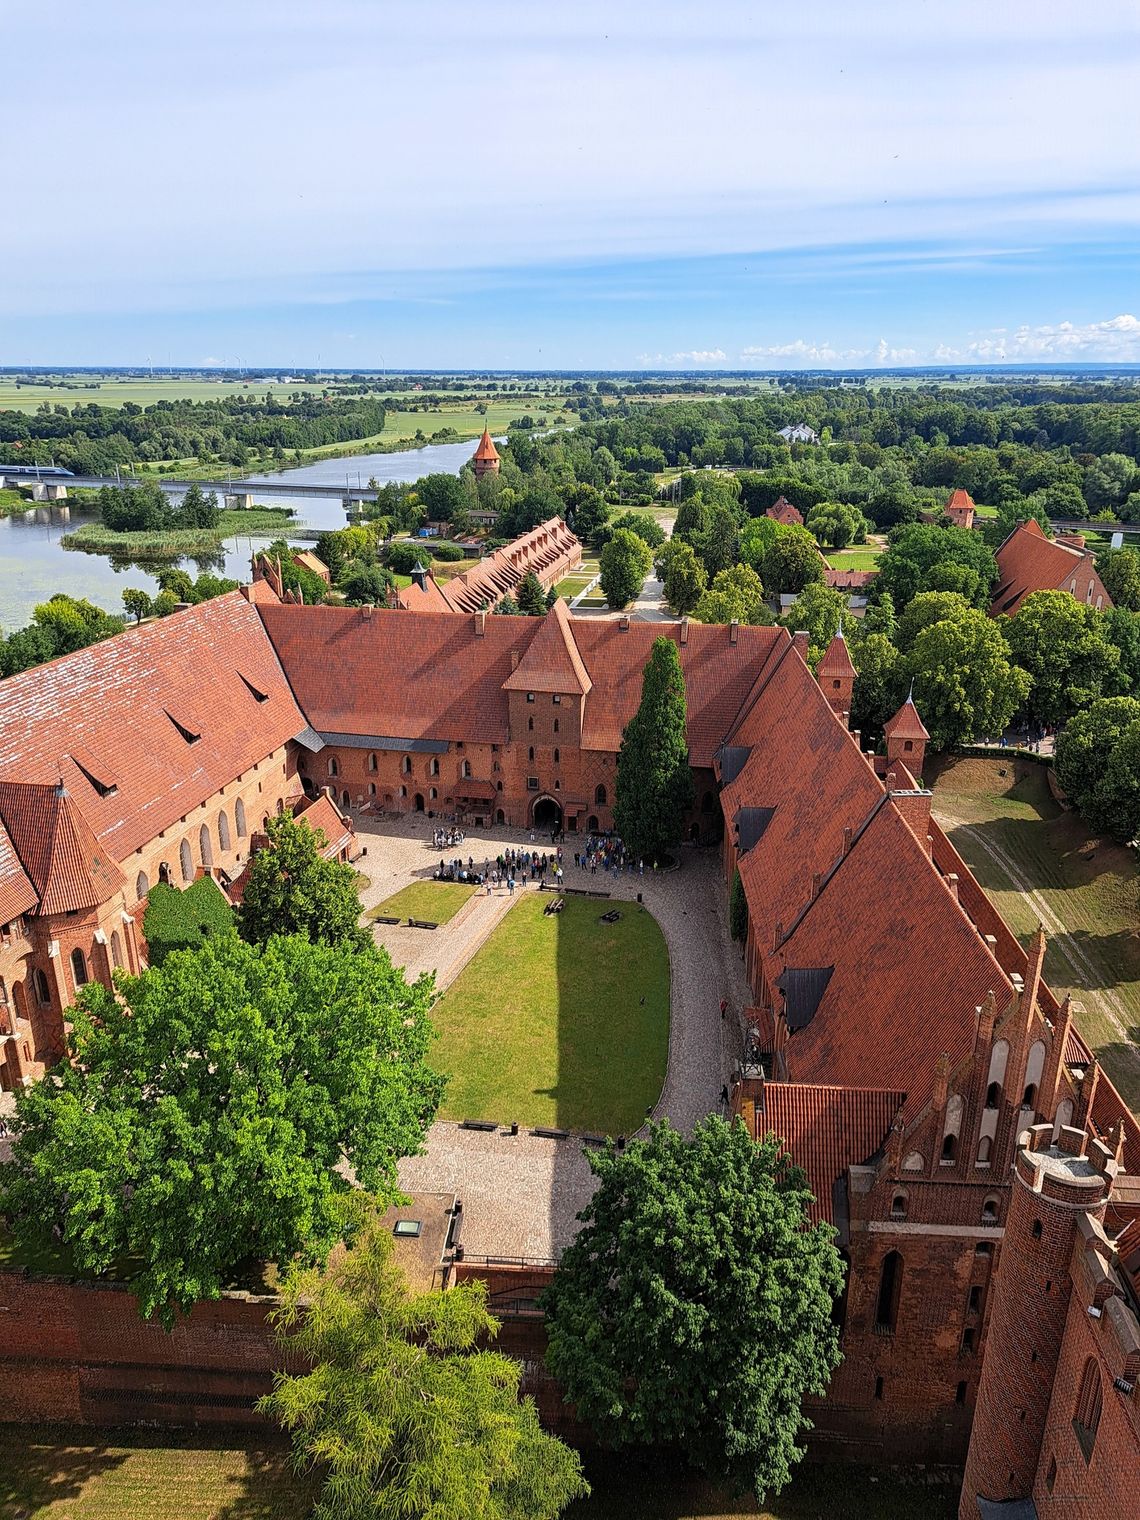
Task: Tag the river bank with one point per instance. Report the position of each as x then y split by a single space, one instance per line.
172 543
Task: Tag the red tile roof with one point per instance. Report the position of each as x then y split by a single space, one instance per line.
112 720
1108 1109
68 867
837 660
543 550
1028 561
960 501
486 448
552 662
17 894
826 1129
451 681
906 723
848 580
910 969
783 511
325 816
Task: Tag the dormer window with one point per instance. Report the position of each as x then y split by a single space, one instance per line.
556 699
530 696
187 733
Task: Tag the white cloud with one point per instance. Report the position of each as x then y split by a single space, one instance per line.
1115 340
700 356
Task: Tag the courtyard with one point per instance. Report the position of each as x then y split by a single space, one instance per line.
546 1027
560 1020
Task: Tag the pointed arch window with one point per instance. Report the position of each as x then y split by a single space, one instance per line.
890 1290
1086 1420
79 969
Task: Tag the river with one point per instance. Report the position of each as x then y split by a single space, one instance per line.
33 566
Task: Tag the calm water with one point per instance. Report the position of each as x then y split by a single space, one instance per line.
33 566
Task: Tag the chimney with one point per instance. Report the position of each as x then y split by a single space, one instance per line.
366 611
951 880
623 622
846 839
684 634
800 644
514 659
817 877
480 624
733 631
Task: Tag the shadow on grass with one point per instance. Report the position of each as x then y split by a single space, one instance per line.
270 1489
36 1472
658 1486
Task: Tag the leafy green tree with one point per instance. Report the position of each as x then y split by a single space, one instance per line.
644 525
836 524
165 603
138 603
964 684
684 577
928 607
654 786
1065 648
330 549
1093 755
198 509
719 545
531 598
625 562
735 596
1119 569
820 612
738 909
1123 628
694 1307
1108 480
442 496
171 578
73 623
692 521
366 585
756 537
879 684
203 1113
292 889
405 1411
918 551
880 616
791 561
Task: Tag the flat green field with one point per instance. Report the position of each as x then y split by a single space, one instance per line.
113 392
433 902
49 1473
65 1474
1039 863
863 558
559 1020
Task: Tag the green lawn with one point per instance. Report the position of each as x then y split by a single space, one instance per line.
559 1020
64 1473
432 901
73 1474
1036 862
863 558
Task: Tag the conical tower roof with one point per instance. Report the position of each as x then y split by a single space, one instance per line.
486 449
69 868
906 724
837 661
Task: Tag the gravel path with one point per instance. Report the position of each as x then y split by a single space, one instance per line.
521 1193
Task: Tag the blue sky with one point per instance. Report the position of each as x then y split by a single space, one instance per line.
619 184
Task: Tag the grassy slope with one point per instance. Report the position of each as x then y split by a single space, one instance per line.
1017 841
559 1020
433 901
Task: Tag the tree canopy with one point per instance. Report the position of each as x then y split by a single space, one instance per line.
405 1409
964 683
684 576
292 889
625 562
1064 647
200 1117
694 1308
654 786
1098 763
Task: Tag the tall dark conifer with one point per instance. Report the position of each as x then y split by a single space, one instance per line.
654 781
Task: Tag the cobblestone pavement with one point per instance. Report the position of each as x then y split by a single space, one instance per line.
521 1194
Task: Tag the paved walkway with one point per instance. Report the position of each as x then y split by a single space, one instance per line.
521 1194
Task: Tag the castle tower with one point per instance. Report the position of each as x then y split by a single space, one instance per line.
836 676
906 737
1053 1185
485 460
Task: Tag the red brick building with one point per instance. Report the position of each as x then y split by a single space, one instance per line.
1028 561
960 508
783 512
550 552
485 460
900 1039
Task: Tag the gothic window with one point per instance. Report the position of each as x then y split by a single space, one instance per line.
142 886
372 763
465 769
952 1129
530 753
186 860
239 817
43 992
555 725
434 768
116 948
1086 1421
205 846
372 788
949 1147
984 1146
600 796
890 1288
530 724
334 769
223 831
406 765
993 1095
1030 1098
898 1206
1036 1230
79 968
557 756
990 1210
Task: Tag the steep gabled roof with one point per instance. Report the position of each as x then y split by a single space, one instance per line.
826 1129
1028 561
17 894
910 969
837 660
112 720
552 662
906 723
68 867
486 448
960 501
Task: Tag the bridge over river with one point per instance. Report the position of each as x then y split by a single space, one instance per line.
237 489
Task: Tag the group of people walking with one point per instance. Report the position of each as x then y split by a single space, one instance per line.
606 852
447 839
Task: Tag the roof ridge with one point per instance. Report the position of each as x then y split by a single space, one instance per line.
759 688
826 876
